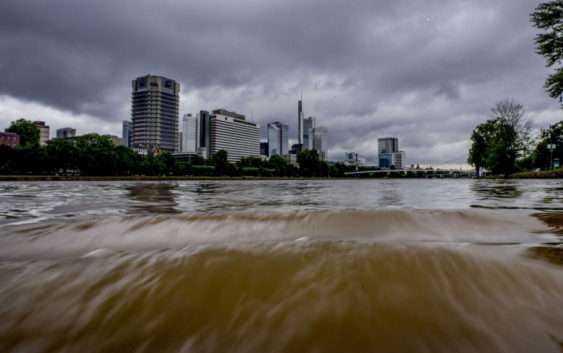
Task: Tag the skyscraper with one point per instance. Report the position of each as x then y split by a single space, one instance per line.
300 122
320 141
126 132
155 113
309 125
388 144
389 154
202 134
189 133
277 139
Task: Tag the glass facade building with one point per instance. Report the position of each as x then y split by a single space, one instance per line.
277 139
320 141
126 133
300 117
389 154
66 132
155 113
309 125
189 133
388 145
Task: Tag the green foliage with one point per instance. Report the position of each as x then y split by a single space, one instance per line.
250 171
254 162
221 162
95 155
29 133
549 18
203 170
500 143
280 166
310 164
63 155
552 135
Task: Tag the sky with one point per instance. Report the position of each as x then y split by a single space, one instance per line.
426 71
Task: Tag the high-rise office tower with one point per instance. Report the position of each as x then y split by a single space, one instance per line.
126 133
155 113
202 135
389 154
300 122
309 125
43 132
189 133
320 141
277 139
180 142
388 144
228 131
66 132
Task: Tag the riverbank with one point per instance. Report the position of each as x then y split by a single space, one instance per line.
143 178
543 174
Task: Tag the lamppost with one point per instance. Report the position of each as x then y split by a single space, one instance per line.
551 147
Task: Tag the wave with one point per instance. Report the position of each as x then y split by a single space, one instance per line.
312 297
134 233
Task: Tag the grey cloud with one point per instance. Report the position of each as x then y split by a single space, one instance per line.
425 71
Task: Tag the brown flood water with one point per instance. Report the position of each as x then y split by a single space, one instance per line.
297 266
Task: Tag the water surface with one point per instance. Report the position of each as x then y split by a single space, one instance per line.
282 266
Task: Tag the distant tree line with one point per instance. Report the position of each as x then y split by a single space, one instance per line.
95 155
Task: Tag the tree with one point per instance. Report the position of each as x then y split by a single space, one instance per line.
29 133
478 147
96 155
62 154
309 163
169 162
152 165
128 161
279 165
552 135
549 18
513 113
221 162
500 142
502 148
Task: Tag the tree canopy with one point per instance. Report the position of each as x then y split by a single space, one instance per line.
548 17
29 133
552 135
501 141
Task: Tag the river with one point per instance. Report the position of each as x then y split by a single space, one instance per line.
382 265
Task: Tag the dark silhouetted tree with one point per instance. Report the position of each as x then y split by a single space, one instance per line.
548 17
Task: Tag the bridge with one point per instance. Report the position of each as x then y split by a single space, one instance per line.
417 172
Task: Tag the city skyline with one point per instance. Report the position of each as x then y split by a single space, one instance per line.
424 74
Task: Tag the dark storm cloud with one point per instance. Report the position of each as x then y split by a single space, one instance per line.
426 71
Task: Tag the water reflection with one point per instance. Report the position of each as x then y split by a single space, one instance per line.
152 198
392 196
501 189
551 254
554 220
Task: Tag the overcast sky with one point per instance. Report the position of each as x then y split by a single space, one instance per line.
424 71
